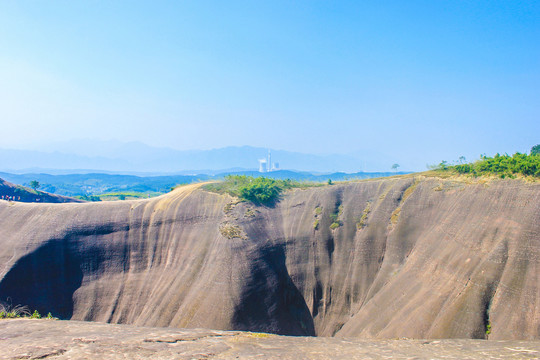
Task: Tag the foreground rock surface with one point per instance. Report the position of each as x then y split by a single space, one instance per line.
40 339
390 258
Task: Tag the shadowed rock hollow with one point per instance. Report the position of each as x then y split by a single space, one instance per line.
411 257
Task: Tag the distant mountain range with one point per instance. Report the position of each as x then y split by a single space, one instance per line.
80 156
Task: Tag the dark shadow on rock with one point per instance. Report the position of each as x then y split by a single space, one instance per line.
45 279
270 302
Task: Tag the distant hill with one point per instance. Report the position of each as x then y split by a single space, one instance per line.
9 191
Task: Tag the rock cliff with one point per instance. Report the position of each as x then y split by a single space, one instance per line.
401 257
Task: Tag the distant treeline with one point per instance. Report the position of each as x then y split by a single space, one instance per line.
96 186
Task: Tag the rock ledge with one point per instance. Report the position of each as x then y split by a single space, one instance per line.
45 339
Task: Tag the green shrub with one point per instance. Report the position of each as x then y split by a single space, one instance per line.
463 168
260 190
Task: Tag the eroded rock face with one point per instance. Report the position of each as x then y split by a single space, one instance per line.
390 258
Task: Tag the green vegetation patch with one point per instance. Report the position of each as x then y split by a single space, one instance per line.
231 231
500 165
395 217
250 213
18 311
410 190
11 312
335 218
488 328
258 335
335 225
363 219
89 197
317 215
258 190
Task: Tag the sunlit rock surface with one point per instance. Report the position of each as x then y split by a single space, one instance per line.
408 257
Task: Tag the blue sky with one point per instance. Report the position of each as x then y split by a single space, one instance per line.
422 80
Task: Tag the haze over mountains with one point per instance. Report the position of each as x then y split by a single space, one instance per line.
136 157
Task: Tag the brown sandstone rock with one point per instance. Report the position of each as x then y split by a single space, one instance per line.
412 257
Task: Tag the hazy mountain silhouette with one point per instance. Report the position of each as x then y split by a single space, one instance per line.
139 157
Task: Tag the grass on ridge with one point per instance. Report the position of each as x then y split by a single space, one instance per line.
503 166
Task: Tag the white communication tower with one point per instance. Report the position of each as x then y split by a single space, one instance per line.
266 165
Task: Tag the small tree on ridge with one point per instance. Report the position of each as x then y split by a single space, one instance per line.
34 184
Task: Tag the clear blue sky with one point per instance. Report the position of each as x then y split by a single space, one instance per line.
424 80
